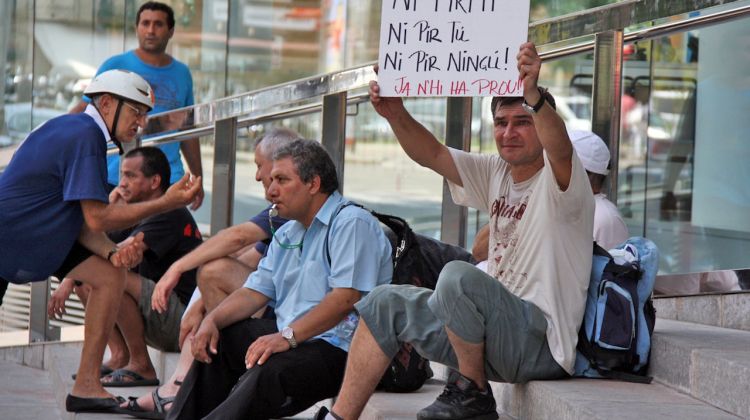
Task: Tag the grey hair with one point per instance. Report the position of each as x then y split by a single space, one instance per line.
270 141
310 159
96 100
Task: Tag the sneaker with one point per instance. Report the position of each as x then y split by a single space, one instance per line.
461 399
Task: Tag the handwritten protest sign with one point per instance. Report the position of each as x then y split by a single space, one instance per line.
451 47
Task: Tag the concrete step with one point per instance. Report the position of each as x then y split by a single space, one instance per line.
709 363
731 310
60 361
26 393
589 399
574 399
597 399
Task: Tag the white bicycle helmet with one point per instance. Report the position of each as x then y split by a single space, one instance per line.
123 84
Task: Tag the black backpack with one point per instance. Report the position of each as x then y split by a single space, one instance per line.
417 260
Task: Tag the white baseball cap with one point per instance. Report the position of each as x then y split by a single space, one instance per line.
591 150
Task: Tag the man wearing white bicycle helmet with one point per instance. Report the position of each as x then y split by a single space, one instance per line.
132 91
54 210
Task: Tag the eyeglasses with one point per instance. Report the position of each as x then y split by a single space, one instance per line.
138 113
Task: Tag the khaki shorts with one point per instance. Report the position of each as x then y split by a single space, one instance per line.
162 331
478 309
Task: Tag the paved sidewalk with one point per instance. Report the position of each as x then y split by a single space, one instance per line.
26 393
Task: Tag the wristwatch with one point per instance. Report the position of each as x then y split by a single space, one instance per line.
534 109
112 252
288 334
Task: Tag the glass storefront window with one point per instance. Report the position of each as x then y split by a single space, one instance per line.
379 174
16 41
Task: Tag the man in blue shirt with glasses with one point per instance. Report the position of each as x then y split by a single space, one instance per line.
258 368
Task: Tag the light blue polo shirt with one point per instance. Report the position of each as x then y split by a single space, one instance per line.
296 280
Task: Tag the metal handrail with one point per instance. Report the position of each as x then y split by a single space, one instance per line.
297 111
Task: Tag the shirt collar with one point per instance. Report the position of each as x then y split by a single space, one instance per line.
329 207
94 113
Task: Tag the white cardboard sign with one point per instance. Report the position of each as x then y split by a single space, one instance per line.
451 47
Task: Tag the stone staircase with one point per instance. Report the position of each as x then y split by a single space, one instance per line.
700 364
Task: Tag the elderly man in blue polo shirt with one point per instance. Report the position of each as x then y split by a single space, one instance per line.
318 266
54 210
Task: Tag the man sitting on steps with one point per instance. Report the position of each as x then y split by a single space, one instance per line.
225 261
261 368
520 322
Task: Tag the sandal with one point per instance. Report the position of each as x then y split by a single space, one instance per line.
125 377
135 410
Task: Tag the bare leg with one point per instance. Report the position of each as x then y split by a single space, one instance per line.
470 359
107 286
219 278
118 350
364 368
216 280
130 322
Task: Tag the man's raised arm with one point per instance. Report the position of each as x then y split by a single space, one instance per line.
418 142
549 126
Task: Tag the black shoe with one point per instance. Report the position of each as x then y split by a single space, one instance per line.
461 399
75 404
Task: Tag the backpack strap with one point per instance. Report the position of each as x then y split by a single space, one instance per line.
401 230
598 250
330 223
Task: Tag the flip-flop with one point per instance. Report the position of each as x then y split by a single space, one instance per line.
104 370
75 404
125 378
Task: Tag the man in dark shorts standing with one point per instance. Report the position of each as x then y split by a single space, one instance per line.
55 186
167 237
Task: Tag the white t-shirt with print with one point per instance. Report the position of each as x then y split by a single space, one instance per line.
540 239
609 228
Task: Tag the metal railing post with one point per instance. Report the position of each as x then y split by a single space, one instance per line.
457 135
225 156
39 328
606 98
334 131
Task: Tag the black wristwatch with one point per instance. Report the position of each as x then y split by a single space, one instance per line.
112 252
534 109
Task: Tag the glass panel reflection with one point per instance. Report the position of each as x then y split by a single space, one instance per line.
16 60
697 213
379 174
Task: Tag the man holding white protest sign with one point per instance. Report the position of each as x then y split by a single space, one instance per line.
519 322
451 47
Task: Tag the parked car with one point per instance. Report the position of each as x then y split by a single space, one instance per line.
20 119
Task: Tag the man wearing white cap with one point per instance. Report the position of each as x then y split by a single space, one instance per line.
54 209
609 228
